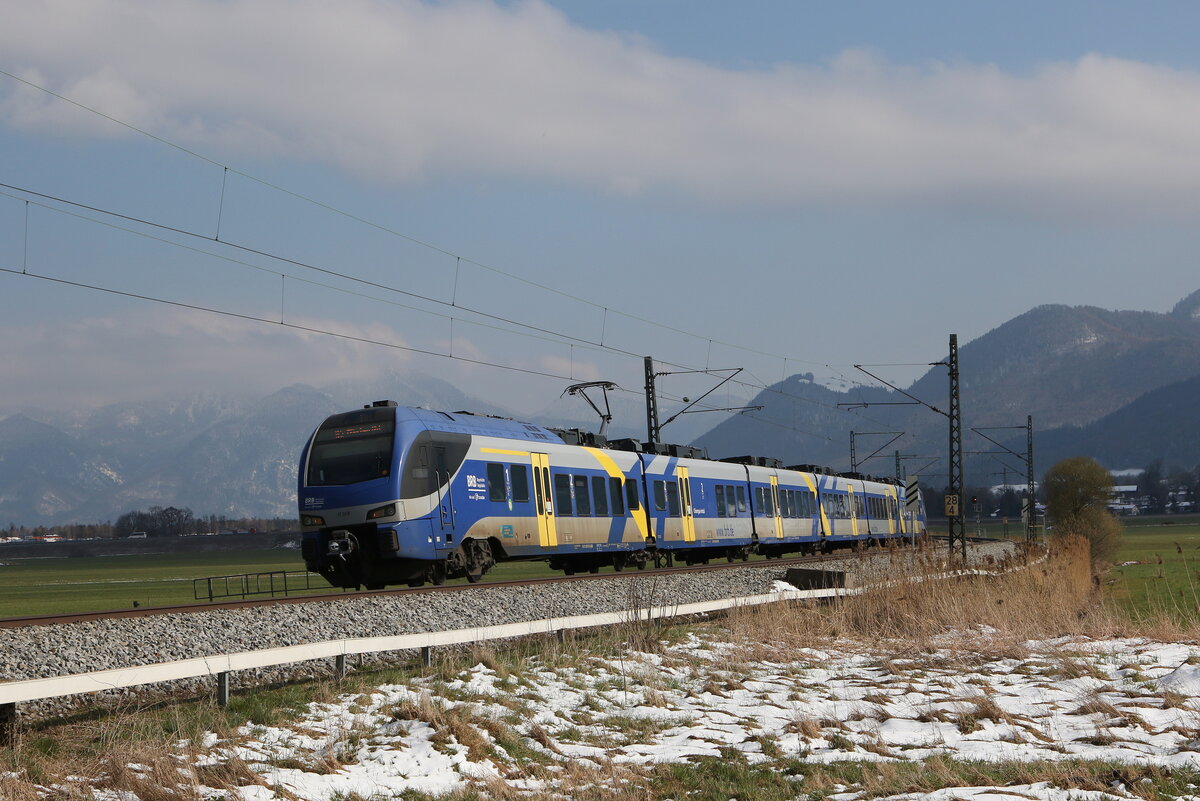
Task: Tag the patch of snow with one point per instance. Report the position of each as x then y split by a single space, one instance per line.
1072 698
1184 680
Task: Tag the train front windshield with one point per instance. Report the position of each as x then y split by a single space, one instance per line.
352 447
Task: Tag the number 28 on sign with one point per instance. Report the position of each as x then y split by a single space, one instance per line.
951 506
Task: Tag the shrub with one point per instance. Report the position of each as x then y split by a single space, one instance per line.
1077 494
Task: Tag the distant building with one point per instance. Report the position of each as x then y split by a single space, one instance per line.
1123 499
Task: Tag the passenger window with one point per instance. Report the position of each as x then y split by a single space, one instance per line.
720 500
731 506
562 494
583 506
614 492
520 482
759 503
600 494
496 489
631 496
672 499
660 496
741 499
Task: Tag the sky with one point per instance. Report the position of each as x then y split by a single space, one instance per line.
204 196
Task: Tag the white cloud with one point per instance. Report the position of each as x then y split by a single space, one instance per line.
398 90
154 353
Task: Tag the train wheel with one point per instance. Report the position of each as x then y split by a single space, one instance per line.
745 555
437 574
417 582
375 586
730 555
594 569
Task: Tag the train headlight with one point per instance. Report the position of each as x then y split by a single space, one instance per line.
312 520
382 511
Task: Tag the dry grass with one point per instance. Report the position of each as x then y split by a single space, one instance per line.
807 727
981 617
985 708
12 789
938 772
457 724
105 747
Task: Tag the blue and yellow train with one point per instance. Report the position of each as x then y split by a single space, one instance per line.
397 495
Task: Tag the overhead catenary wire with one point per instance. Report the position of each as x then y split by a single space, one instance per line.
350 337
226 169
548 335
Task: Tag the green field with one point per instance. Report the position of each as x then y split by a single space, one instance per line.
1166 576
1156 569
49 586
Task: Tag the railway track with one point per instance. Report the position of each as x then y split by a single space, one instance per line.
208 606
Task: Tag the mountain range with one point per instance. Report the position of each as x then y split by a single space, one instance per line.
1121 386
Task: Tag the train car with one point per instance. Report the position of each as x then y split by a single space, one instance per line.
397 495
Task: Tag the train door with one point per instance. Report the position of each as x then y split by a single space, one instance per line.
685 503
896 521
547 527
445 498
852 509
776 509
